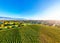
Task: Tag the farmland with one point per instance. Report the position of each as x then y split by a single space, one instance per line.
20 32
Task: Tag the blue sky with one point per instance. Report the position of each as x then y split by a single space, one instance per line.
30 9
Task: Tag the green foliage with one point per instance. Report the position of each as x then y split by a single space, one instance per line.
10 36
25 34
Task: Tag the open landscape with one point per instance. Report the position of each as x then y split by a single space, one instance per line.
28 32
18 32
29 21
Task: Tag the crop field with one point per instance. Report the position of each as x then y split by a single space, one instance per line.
17 32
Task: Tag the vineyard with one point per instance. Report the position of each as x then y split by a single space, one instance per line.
17 32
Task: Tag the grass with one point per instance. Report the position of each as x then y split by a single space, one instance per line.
49 34
25 34
31 34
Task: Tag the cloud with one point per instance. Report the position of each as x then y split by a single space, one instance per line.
51 13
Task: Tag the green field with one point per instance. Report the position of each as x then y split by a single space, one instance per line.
25 34
31 34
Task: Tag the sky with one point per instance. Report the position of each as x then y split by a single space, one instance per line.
31 9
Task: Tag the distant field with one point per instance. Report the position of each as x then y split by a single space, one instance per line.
31 34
